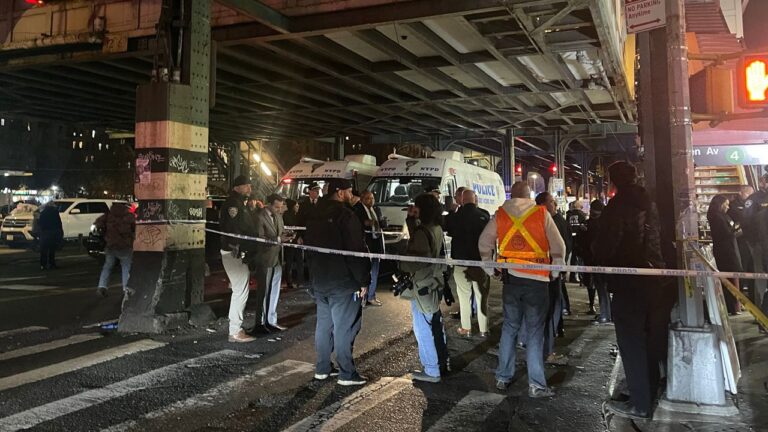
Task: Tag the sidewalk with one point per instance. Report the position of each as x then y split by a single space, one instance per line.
752 400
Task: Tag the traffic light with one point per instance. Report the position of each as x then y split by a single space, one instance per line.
753 81
553 169
519 169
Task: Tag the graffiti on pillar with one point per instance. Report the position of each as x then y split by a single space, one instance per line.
174 212
150 235
152 210
182 165
151 156
196 212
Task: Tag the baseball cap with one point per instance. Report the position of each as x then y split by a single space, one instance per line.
335 185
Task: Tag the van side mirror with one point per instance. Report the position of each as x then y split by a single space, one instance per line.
74 211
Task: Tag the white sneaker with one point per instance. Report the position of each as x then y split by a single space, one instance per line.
356 380
321 377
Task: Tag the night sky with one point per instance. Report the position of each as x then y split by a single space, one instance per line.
755 18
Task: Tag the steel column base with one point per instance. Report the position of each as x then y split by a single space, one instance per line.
686 411
695 372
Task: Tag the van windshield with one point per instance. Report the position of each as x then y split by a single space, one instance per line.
392 191
296 189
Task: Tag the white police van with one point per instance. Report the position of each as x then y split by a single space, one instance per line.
400 180
359 169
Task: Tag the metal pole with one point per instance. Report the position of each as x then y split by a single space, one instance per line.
511 143
680 128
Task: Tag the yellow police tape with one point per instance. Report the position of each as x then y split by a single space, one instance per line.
744 300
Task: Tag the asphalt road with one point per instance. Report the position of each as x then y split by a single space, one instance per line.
60 372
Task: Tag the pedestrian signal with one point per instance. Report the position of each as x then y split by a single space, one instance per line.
753 81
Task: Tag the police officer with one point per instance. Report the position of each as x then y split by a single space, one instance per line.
755 226
235 219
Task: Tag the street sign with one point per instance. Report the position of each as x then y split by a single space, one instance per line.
643 15
724 155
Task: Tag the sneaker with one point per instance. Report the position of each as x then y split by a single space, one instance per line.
536 392
422 376
625 409
591 310
356 380
464 332
566 312
101 292
322 377
603 321
502 385
374 302
483 335
241 337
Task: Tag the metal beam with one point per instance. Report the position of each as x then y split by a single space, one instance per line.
262 13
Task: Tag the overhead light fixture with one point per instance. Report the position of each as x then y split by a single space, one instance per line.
266 169
256 157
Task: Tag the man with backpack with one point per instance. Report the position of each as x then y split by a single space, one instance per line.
628 236
118 227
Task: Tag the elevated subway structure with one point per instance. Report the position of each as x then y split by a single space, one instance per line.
534 80
434 72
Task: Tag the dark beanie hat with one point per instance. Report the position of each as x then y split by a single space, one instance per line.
622 173
240 181
338 184
596 205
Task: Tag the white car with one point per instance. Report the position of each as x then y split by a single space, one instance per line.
17 226
78 214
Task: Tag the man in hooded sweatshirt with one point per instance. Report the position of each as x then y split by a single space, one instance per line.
118 226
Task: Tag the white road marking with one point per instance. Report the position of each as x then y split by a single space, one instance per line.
77 363
25 287
34 349
469 413
23 330
214 396
14 279
353 406
80 401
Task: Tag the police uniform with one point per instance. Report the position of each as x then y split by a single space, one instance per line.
755 226
235 219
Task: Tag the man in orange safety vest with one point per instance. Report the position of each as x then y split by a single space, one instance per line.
522 232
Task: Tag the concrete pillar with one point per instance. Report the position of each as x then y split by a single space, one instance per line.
508 160
338 148
166 285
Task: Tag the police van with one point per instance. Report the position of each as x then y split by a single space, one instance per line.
359 169
401 179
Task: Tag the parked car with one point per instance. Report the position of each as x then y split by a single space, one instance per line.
16 228
78 214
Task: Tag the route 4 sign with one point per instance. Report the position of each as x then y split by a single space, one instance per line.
645 15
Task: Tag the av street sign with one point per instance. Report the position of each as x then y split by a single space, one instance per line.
645 15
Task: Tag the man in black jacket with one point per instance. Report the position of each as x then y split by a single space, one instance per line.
339 282
236 219
51 235
628 236
465 227
370 217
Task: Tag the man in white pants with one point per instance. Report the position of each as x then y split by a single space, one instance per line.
234 219
465 227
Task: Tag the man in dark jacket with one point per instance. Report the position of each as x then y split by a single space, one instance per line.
235 219
371 220
465 227
51 233
266 264
736 213
339 283
629 237
118 227
755 226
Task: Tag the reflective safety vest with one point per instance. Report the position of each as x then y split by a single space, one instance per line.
523 239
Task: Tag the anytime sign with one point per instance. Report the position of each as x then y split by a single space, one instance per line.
645 15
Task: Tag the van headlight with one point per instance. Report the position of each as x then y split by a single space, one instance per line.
93 230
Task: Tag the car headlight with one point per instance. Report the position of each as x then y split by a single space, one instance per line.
93 229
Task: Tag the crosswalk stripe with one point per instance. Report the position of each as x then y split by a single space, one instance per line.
34 349
23 330
26 287
77 363
353 406
266 375
14 279
469 413
80 401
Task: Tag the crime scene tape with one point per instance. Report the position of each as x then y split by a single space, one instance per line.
509 266
287 227
744 300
